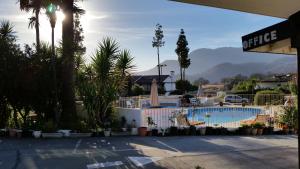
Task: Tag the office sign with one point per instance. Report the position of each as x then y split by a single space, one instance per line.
266 36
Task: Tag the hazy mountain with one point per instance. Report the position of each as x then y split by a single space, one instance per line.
216 73
215 64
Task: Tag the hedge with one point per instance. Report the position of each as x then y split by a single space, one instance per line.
268 97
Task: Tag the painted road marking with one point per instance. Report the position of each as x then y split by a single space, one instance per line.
134 149
76 146
103 165
141 161
166 145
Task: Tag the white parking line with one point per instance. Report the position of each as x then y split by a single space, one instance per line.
141 161
133 149
76 146
166 145
102 165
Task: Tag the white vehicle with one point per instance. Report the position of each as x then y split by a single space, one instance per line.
235 99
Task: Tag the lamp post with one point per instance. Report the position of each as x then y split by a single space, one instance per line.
51 13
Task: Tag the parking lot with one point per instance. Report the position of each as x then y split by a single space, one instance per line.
210 152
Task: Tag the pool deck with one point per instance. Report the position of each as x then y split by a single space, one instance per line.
210 152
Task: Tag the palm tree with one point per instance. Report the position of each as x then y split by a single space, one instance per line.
6 31
68 63
101 82
125 63
125 66
35 6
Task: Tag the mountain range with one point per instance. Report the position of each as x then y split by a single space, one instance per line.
215 64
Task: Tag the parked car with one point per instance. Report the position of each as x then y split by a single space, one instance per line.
235 99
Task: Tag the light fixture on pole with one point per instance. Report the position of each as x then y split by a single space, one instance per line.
161 67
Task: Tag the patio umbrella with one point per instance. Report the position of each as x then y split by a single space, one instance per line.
154 94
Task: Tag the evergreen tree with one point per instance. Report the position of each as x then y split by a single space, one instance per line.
182 52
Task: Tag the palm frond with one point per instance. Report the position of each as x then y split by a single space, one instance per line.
32 22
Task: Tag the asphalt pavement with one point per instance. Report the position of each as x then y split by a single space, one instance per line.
184 152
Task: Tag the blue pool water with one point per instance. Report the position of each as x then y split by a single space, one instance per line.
221 115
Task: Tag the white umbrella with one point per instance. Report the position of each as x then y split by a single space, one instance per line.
154 94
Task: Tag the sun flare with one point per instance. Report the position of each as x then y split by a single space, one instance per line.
60 16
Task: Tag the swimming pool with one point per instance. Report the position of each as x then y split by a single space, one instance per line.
220 115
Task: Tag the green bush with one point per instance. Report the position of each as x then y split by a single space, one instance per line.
289 116
83 127
258 125
185 85
137 90
265 97
245 126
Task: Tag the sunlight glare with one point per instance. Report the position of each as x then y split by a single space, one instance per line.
60 16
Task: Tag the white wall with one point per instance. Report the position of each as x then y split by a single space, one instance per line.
160 116
131 114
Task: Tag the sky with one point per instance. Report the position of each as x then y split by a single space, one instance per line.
132 24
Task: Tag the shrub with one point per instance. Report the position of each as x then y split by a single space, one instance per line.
258 125
185 85
83 127
137 90
268 96
49 127
289 116
245 126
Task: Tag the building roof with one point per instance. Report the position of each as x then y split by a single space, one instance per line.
211 86
275 8
147 79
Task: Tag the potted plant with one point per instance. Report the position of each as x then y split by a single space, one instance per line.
50 131
163 132
82 130
12 131
260 128
134 130
285 129
173 129
254 129
65 132
19 133
3 132
107 129
192 130
37 130
202 130
142 131
153 127
123 124
223 130
268 130
245 129
209 130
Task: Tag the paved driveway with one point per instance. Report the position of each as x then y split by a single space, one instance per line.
211 152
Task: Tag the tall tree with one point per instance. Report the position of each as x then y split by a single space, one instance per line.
182 52
157 43
68 115
35 6
80 49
